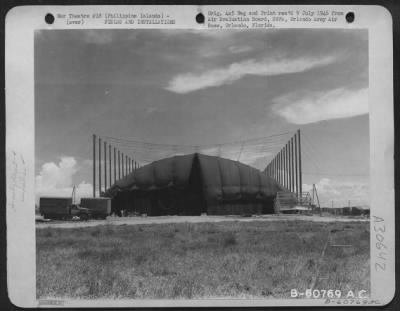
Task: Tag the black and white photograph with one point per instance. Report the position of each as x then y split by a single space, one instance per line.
199 164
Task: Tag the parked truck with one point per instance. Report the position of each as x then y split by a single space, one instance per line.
62 209
98 207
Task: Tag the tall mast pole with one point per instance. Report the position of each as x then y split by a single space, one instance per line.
94 165
99 167
300 169
105 166
109 170
115 165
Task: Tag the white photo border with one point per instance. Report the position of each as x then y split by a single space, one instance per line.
21 23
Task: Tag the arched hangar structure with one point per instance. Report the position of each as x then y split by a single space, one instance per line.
194 184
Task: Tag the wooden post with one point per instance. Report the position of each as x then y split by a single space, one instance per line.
280 167
94 165
284 166
99 167
119 164
273 168
292 164
122 167
115 165
296 169
105 166
126 165
109 170
289 168
300 172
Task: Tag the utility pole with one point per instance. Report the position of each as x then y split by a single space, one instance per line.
109 170
99 167
126 165
300 172
122 163
94 165
119 164
319 206
105 166
115 165
296 170
313 187
292 164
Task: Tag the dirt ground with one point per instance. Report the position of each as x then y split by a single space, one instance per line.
139 220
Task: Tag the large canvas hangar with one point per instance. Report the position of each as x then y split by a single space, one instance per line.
194 184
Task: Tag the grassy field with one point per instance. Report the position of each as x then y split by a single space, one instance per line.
203 260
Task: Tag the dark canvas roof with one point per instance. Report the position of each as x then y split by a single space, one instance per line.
220 178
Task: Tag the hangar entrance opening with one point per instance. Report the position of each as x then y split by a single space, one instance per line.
195 184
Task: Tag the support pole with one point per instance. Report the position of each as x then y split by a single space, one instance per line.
280 167
122 159
273 168
300 172
105 166
126 165
284 166
296 168
119 164
99 167
289 172
287 166
115 165
292 164
94 165
109 156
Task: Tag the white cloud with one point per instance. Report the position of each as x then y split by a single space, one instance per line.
340 192
151 109
247 155
98 36
219 48
189 82
240 49
335 104
56 180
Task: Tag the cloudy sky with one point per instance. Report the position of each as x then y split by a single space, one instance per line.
204 88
